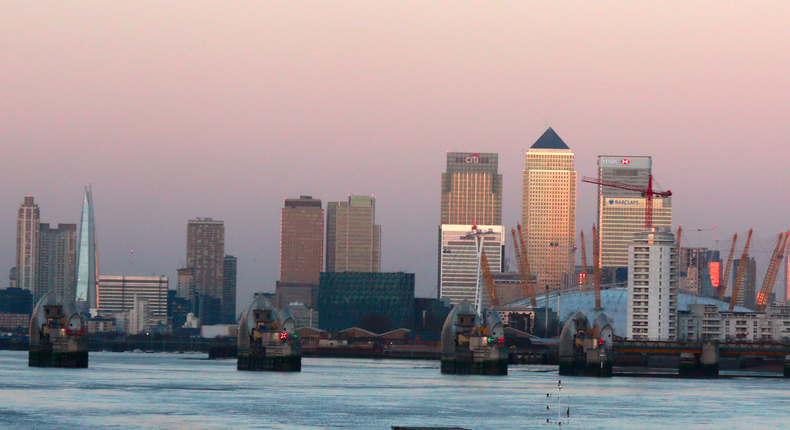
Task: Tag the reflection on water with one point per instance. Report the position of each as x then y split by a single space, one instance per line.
188 391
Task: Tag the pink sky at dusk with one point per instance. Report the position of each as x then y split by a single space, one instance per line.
174 110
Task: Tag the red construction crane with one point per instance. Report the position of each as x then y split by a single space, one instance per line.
648 192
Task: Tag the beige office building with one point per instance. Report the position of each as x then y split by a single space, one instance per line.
119 293
27 242
621 213
548 211
353 240
472 189
301 241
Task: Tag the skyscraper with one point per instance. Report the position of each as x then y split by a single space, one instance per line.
548 210
301 241
205 255
57 268
652 286
87 291
353 240
471 189
621 213
27 242
229 264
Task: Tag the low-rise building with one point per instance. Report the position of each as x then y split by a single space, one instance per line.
706 322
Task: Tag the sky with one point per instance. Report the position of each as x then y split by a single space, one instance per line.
176 110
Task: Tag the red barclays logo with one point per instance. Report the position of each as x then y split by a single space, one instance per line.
625 161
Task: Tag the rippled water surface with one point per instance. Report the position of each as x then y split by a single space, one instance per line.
189 391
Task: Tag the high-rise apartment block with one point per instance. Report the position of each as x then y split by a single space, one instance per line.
652 286
458 261
229 265
353 240
205 255
27 242
548 211
621 213
87 291
185 288
301 241
57 267
118 293
472 189
747 294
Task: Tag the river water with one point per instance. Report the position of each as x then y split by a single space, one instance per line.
123 390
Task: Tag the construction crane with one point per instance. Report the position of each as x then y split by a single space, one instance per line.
726 276
648 192
527 289
680 230
596 269
489 279
477 235
770 276
584 265
739 275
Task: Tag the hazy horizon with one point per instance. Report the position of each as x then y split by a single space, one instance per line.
180 110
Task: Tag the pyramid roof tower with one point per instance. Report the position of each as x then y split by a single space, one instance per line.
549 140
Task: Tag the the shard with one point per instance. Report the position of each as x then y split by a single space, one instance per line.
87 296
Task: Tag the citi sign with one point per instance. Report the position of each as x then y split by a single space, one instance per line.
623 202
472 159
615 161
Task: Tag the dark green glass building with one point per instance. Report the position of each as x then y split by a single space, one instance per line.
377 302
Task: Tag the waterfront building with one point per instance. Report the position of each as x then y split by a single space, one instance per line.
747 295
548 210
708 322
286 293
177 309
14 322
353 240
301 241
119 293
27 242
621 213
350 299
652 286
229 265
57 263
458 262
87 291
205 255
472 189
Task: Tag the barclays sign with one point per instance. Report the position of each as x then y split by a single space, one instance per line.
623 202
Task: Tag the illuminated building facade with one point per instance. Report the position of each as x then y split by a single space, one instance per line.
472 189
353 240
548 210
621 213
458 261
301 241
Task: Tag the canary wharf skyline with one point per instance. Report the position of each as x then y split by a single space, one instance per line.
175 111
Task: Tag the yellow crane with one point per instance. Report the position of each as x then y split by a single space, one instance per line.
726 276
489 279
527 289
739 275
770 275
596 269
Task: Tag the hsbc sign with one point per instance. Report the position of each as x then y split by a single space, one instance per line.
606 161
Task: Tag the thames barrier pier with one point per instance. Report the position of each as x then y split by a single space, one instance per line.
470 347
57 338
267 339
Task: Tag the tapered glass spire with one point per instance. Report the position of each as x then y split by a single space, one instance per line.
87 261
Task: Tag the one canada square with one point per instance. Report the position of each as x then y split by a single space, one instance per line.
548 210
471 195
